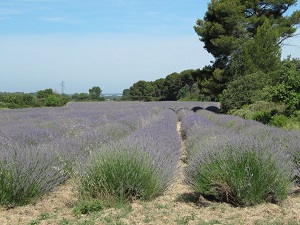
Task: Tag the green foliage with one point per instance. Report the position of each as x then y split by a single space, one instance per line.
244 90
126 94
262 116
50 99
81 97
187 93
142 91
252 55
120 174
53 101
11 194
174 87
44 93
18 100
211 82
279 120
228 24
174 84
41 99
271 113
287 86
222 29
95 93
86 207
242 177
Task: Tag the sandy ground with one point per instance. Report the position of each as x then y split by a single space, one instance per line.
178 205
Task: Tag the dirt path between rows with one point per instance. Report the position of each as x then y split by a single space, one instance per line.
178 205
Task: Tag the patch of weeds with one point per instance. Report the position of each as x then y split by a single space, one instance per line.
120 223
86 207
121 212
64 222
108 219
86 222
148 219
161 206
124 211
34 222
185 220
44 216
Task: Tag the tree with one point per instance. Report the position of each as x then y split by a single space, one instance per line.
260 53
160 89
142 91
95 93
44 93
173 84
187 93
230 23
126 95
211 82
54 100
80 97
287 87
243 90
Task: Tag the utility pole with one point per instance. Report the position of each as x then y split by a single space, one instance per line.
62 85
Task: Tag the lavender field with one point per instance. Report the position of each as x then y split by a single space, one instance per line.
41 148
132 150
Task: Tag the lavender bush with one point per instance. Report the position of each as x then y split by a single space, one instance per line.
140 166
242 172
239 161
28 173
123 174
289 141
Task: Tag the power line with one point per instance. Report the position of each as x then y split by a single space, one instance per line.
62 85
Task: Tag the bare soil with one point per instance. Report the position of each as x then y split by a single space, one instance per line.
178 205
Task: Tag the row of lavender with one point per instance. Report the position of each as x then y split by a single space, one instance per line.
239 161
138 166
41 148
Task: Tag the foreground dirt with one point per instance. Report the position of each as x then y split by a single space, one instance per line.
178 205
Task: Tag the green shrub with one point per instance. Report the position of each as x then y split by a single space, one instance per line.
279 120
121 174
267 106
263 116
244 112
241 175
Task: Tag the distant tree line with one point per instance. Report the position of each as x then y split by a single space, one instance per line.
46 98
42 98
93 95
188 85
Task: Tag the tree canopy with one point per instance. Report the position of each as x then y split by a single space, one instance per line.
230 23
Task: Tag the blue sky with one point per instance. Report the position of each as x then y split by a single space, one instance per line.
106 43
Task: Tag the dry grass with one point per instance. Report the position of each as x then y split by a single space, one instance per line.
179 205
